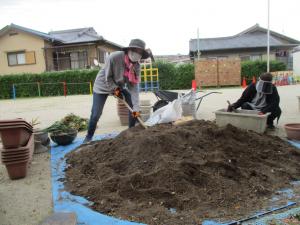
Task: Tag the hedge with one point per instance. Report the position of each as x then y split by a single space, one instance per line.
25 88
255 68
171 77
180 76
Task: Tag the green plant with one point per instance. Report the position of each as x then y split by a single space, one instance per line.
166 74
68 123
173 76
76 122
297 216
35 122
256 68
185 73
47 83
58 127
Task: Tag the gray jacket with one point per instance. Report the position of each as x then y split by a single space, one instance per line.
112 75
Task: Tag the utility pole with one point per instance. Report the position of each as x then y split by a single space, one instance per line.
268 41
198 44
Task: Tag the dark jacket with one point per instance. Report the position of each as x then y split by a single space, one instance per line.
271 99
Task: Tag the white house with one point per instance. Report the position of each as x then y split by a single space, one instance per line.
296 61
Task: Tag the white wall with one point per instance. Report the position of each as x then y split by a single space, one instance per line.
296 63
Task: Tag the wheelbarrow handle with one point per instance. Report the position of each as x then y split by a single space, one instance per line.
201 98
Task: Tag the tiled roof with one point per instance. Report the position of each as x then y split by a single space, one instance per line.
72 36
253 37
28 30
76 35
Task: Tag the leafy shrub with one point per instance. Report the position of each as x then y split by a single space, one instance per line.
256 68
51 83
173 76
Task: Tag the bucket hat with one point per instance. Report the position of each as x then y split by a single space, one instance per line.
138 43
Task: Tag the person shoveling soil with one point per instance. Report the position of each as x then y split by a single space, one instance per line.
182 174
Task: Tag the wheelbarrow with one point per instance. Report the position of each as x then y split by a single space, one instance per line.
164 97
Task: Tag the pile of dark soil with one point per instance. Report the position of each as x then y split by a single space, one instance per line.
182 174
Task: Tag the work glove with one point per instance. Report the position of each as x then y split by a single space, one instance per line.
118 92
230 108
136 114
261 113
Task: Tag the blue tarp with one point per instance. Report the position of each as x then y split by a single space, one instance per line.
66 202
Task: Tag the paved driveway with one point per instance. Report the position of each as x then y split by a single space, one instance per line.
30 198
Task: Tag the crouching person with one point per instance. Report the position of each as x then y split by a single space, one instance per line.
263 97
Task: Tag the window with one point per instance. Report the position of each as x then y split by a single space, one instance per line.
102 55
20 58
78 60
245 57
255 57
17 58
281 53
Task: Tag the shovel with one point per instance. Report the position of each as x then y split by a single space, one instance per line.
130 109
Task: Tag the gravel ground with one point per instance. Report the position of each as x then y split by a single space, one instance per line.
28 201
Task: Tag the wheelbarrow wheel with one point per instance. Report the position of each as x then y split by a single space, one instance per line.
159 104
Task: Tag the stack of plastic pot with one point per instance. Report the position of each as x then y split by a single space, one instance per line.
123 113
17 146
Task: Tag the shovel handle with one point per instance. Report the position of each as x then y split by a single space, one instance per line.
130 109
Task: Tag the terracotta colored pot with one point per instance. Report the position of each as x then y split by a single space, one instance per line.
17 170
124 121
10 158
122 108
15 154
121 105
15 136
293 131
28 148
15 121
15 159
122 113
16 125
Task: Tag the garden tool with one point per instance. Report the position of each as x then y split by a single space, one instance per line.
233 109
130 109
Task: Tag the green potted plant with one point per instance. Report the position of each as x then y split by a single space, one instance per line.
64 132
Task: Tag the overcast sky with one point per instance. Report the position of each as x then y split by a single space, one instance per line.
165 25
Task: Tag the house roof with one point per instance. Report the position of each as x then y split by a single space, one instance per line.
76 35
28 30
253 37
297 49
72 36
